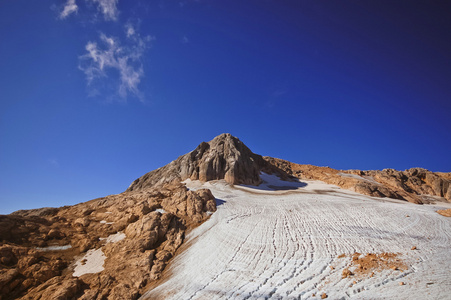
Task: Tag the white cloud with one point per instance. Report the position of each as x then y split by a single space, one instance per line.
54 162
108 8
130 30
69 8
110 59
184 40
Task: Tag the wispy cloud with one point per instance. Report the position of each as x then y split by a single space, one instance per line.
111 63
184 40
69 8
112 59
108 8
129 30
53 162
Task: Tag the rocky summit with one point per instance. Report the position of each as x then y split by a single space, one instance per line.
118 246
224 157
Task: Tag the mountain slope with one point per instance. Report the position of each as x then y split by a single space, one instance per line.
117 247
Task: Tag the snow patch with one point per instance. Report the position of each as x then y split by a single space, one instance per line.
105 222
54 248
92 262
114 238
161 211
355 176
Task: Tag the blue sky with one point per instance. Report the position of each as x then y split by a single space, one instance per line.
95 93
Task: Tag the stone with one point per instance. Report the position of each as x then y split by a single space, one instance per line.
82 222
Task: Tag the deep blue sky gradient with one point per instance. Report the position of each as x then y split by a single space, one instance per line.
345 84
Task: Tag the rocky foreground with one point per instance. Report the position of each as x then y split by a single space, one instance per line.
124 242
117 247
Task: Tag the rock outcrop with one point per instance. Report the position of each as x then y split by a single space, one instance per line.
225 157
415 185
137 233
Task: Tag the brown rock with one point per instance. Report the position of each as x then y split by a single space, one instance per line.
84 245
445 212
62 290
59 288
84 222
123 291
132 218
7 256
7 280
26 262
55 234
346 273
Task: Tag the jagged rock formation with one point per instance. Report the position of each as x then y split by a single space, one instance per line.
415 185
225 157
137 232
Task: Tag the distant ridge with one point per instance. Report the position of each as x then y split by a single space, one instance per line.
416 185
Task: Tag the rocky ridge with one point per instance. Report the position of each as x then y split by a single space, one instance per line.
415 185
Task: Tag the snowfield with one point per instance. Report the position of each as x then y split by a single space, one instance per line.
282 240
93 260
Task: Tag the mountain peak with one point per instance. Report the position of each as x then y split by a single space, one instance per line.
224 157
224 136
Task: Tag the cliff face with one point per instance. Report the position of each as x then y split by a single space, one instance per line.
225 157
415 185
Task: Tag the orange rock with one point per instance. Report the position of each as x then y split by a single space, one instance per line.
445 212
346 273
